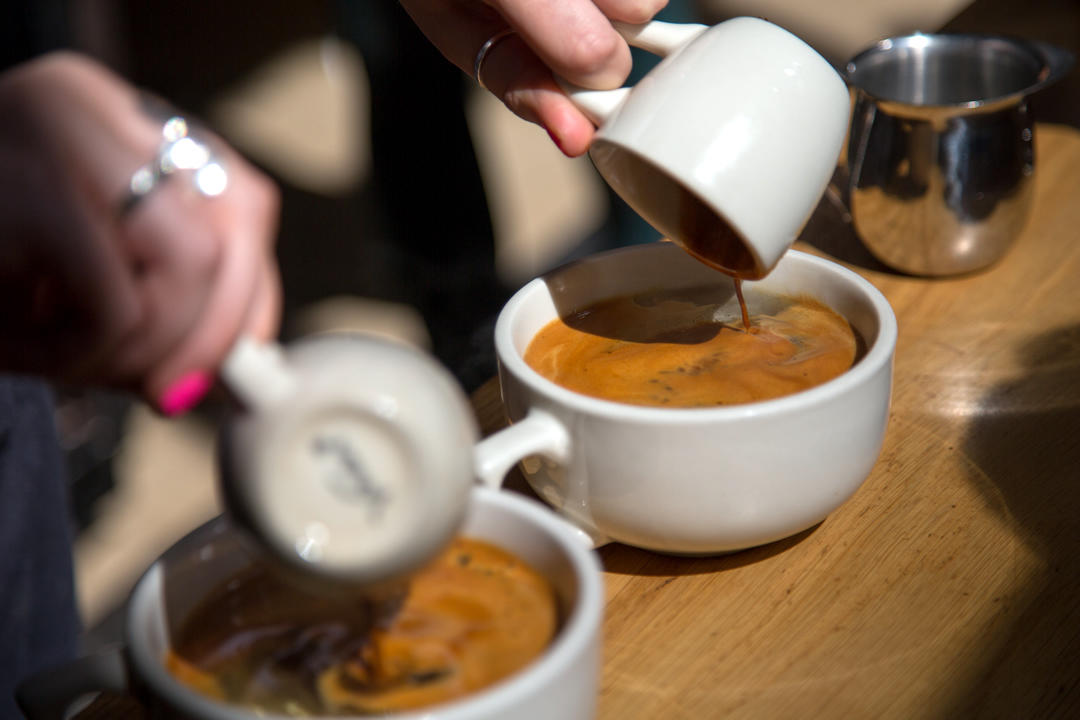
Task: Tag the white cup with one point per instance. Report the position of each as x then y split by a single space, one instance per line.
561 683
738 128
350 457
700 480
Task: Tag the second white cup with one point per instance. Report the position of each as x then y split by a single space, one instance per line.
561 683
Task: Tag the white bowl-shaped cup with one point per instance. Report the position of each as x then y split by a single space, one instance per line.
561 683
701 480
735 116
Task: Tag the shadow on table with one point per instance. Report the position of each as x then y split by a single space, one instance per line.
627 560
1026 438
830 230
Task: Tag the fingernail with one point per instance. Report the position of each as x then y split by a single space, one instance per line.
185 393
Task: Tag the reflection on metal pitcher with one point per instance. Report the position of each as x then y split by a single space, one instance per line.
941 147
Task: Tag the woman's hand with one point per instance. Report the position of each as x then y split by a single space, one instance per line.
149 299
570 38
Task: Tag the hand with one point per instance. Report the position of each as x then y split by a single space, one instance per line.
150 299
570 38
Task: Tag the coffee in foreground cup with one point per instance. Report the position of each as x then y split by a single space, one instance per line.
560 683
473 616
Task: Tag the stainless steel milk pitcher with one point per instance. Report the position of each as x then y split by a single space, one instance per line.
940 152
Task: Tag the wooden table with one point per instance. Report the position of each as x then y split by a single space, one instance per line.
949 585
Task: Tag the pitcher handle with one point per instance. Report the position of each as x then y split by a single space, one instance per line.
1058 62
257 373
657 37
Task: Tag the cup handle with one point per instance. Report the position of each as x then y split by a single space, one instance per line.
257 373
52 694
540 433
659 38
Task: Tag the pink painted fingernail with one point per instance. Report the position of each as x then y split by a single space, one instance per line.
185 393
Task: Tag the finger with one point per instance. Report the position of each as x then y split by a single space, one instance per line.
574 38
188 387
99 290
631 11
511 70
198 262
173 252
520 79
244 298
61 320
264 316
65 295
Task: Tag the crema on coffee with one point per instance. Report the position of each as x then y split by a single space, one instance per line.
474 615
690 348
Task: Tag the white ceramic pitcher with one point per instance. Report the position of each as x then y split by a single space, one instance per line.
727 145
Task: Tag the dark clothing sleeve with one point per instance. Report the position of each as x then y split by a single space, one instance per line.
39 623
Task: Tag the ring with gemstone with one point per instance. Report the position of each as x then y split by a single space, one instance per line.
179 150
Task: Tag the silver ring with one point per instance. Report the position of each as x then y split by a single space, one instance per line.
484 50
178 151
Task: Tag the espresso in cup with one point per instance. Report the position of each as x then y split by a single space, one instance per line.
694 347
473 616
698 480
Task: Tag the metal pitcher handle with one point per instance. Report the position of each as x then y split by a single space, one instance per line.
1058 62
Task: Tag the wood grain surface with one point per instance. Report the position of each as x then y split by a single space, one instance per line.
949 585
